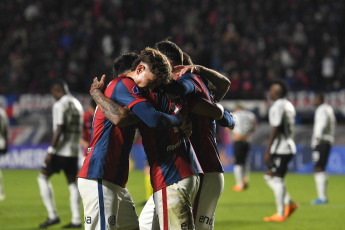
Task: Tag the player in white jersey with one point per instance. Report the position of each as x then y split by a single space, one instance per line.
280 149
245 126
321 143
62 153
4 127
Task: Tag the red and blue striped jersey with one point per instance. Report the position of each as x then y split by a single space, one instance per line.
203 137
169 152
108 154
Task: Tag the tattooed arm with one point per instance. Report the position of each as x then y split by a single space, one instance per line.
120 116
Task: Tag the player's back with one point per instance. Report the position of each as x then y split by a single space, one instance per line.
68 111
203 137
245 122
108 154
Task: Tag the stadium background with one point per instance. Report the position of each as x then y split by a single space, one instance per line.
250 42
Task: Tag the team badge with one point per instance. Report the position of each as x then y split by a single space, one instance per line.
112 220
136 90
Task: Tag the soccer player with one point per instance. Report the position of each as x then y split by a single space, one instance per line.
245 126
203 135
322 140
87 126
4 127
104 174
280 149
63 153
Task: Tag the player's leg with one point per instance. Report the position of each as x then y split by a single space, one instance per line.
174 204
210 189
127 215
147 216
320 158
240 153
71 170
2 195
275 180
101 204
47 192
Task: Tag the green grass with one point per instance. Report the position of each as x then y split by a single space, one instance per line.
23 208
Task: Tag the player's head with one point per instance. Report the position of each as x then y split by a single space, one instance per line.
187 59
319 98
278 89
171 50
151 69
58 88
123 64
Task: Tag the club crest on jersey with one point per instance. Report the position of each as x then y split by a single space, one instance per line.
136 90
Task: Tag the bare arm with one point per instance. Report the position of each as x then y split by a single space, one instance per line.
221 82
269 144
208 109
117 114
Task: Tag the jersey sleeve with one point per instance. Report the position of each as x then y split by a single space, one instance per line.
127 93
275 115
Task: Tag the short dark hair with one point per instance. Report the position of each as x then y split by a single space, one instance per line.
61 84
157 62
187 60
320 95
171 50
123 63
283 85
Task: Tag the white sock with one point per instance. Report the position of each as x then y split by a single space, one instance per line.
247 172
238 173
74 202
321 184
287 198
278 187
1 184
47 195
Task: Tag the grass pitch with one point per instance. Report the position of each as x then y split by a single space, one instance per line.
23 208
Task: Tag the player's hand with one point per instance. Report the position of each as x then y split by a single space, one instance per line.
233 117
48 158
267 157
97 84
187 68
186 127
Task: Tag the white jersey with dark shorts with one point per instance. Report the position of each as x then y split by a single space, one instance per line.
282 115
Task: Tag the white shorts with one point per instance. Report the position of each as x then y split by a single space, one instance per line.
174 204
211 187
107 206
148 219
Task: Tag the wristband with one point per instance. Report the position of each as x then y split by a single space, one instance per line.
51 150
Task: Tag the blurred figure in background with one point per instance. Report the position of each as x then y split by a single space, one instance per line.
4 130
321 143
280 149
87 126
244 128
63 153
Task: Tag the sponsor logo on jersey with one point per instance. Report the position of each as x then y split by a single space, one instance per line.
136 90
174 146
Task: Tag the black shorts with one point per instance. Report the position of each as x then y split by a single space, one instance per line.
278 164
320 155
241 149
68 164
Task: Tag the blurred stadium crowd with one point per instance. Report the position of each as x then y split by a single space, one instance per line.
250 41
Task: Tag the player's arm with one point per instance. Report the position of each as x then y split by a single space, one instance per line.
117 114
143 109
274 131
216 111
221 82
52 148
